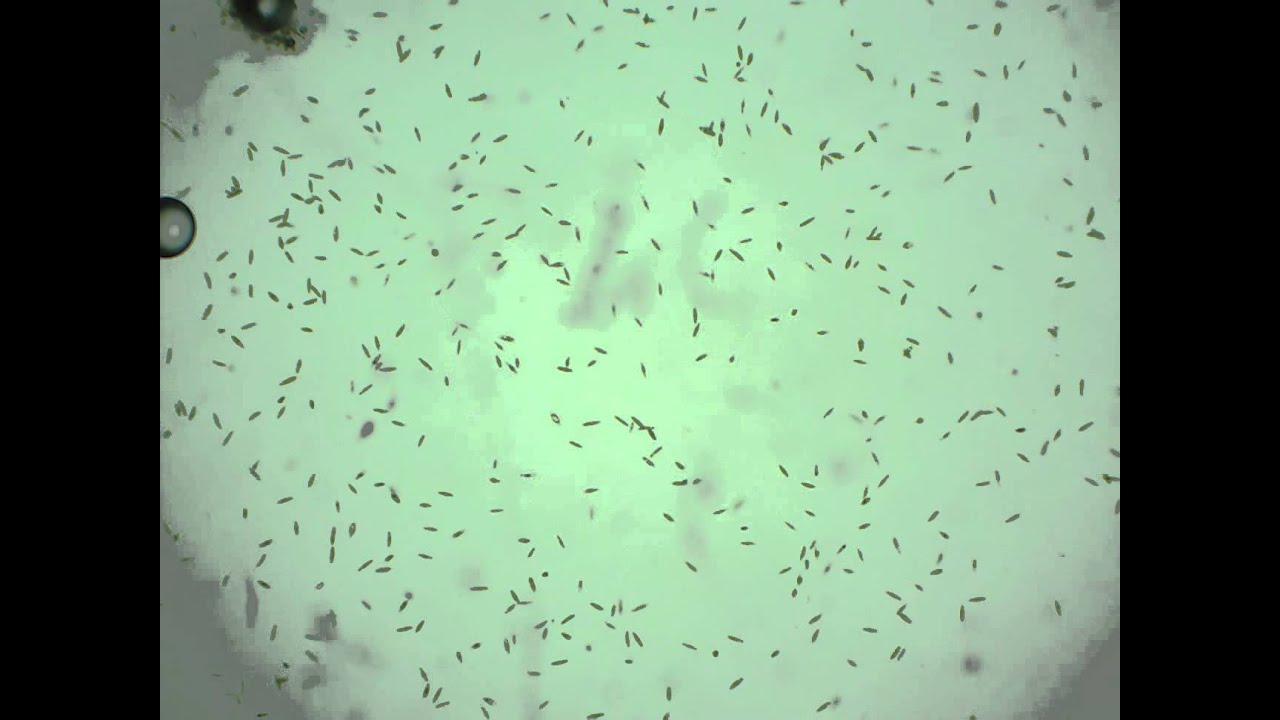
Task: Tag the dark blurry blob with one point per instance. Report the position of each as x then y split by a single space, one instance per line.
264 16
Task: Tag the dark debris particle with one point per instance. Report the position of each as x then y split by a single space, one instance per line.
264 17
367 429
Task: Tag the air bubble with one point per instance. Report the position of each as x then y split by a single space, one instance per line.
177 227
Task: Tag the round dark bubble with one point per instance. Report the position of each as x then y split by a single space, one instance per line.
177 227
264 16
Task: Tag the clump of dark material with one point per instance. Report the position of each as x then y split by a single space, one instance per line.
264 16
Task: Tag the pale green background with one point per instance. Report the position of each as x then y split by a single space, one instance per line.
731 425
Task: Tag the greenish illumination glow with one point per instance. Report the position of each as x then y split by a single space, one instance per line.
551 366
